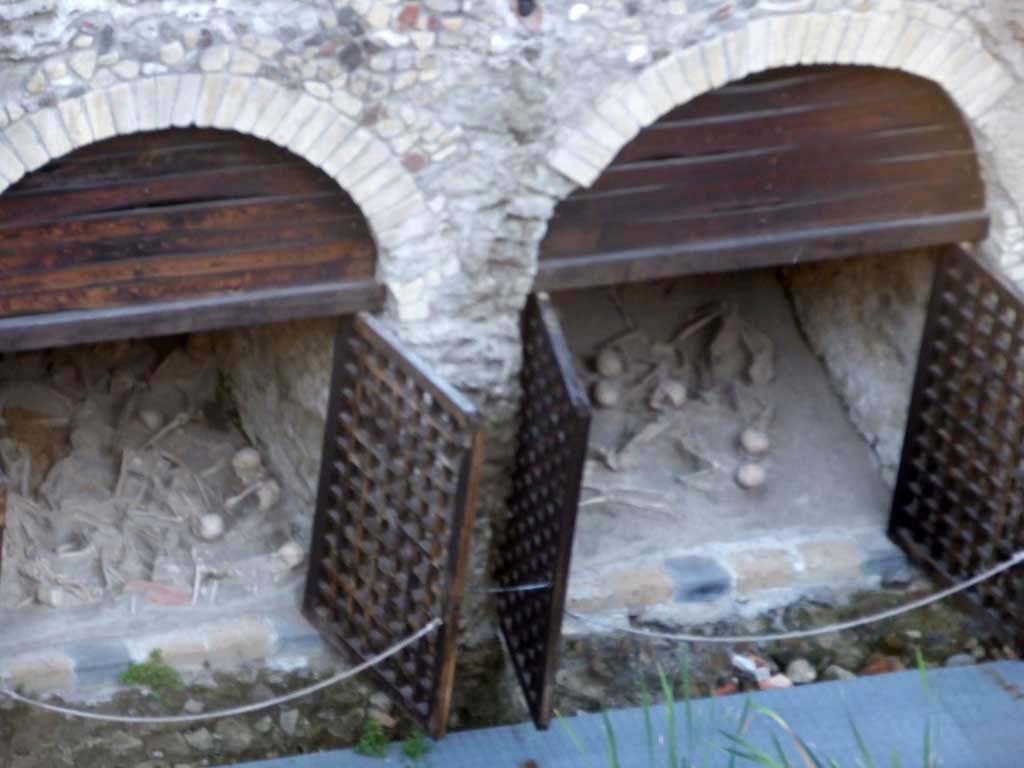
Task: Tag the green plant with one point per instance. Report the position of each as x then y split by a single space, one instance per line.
373 742
415 746
153 674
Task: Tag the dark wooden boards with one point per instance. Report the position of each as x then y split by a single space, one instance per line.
793 165
176 230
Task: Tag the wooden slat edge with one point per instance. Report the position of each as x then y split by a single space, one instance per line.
187 316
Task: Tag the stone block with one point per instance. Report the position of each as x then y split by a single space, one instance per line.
796 32
146 103
274 113
123 107
716 64
337 131
633 586
938 47
166 91
177 649
355 144
758 569
575 168
27 144
241 640
853 38
210 96
233 102
615 113
39 672
736 49
314 127
673 79
830 561
817 25
76 121
913 35
101 119
757 45
11 167
880 37
692 61
778 40
654 88
832 37
187 100
698 579
260 95
51 131
636 101
297 116
363 165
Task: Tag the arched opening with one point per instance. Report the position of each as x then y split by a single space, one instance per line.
140 482
750 271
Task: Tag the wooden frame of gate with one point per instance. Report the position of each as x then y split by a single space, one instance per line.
801 164
190 229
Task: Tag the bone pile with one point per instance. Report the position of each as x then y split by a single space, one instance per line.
716 360
128 480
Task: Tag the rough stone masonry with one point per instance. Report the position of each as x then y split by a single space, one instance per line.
458 125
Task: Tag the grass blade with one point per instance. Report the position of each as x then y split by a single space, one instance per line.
648 725
613 749
670 714
865 755
571 734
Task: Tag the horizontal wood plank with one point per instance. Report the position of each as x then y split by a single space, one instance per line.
255 307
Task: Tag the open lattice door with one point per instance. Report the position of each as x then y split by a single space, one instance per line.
554 423
395 510
958 507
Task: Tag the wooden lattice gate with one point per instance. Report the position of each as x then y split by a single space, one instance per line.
958 507
395 510
536 545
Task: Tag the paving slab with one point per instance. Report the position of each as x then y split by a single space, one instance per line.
976 713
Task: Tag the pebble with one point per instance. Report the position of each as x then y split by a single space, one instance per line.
200 741
835 672
754 441
959 660
751 476
193 707
263 725
801 671
290 721
775 682
236 735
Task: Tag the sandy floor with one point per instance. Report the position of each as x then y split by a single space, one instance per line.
680 490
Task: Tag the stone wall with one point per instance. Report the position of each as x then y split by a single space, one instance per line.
457 125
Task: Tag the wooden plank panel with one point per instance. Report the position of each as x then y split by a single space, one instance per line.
800 163
174 217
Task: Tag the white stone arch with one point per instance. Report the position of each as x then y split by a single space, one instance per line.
362 164
923 41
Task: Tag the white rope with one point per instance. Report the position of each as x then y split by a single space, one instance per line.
234 712
507 590
798 633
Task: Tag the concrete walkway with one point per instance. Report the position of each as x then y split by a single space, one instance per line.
977 721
